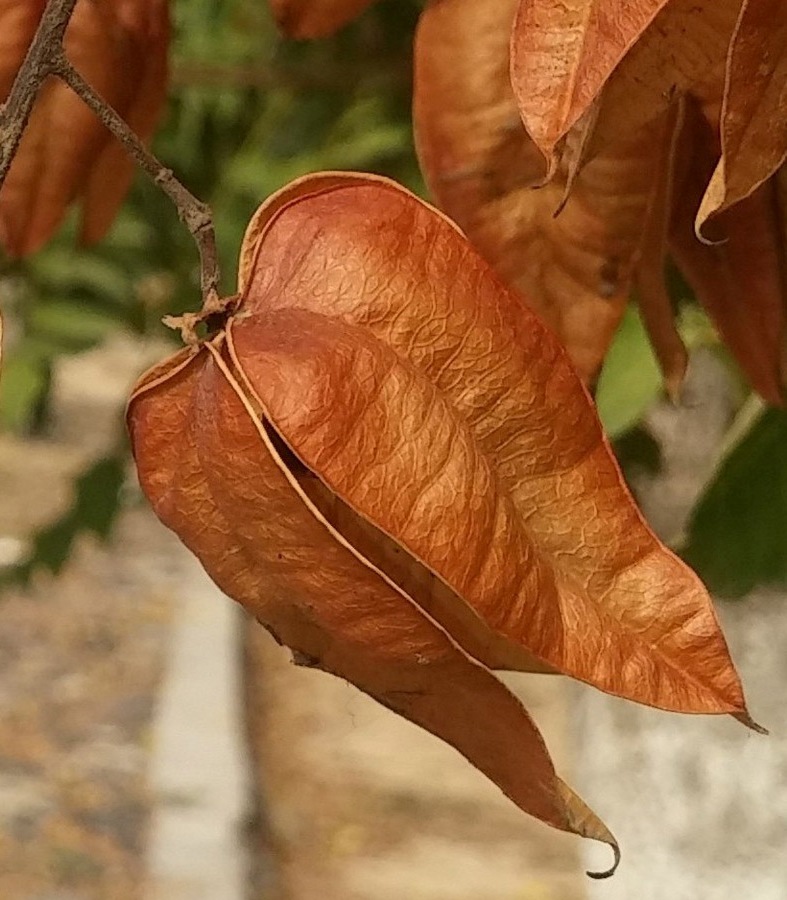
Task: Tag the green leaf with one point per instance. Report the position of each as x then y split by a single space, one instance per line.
24 388
60 271
98 495
75 326
737 537
97 501
630 380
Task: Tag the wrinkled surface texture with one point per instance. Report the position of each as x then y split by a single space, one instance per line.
388 459
753 120
575 269
563 53
315 18
659 124
120 47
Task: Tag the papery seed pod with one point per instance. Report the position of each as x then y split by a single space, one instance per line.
387 459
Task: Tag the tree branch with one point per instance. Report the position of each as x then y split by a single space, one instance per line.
46 57
194 214
36 67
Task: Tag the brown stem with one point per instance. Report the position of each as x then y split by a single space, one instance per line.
194 214
37 65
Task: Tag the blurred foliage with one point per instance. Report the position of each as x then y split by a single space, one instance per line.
630 381
248 112
94 508
737 536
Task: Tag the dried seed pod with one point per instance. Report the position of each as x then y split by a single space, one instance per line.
389 461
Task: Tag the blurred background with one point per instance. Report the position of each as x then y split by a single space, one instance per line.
153 744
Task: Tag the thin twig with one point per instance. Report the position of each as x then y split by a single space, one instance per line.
36 67
194 214
46 57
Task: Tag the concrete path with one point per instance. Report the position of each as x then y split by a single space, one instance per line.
199 767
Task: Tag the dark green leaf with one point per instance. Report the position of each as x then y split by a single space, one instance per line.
97 501
638 451
98 495
737 537
24 389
